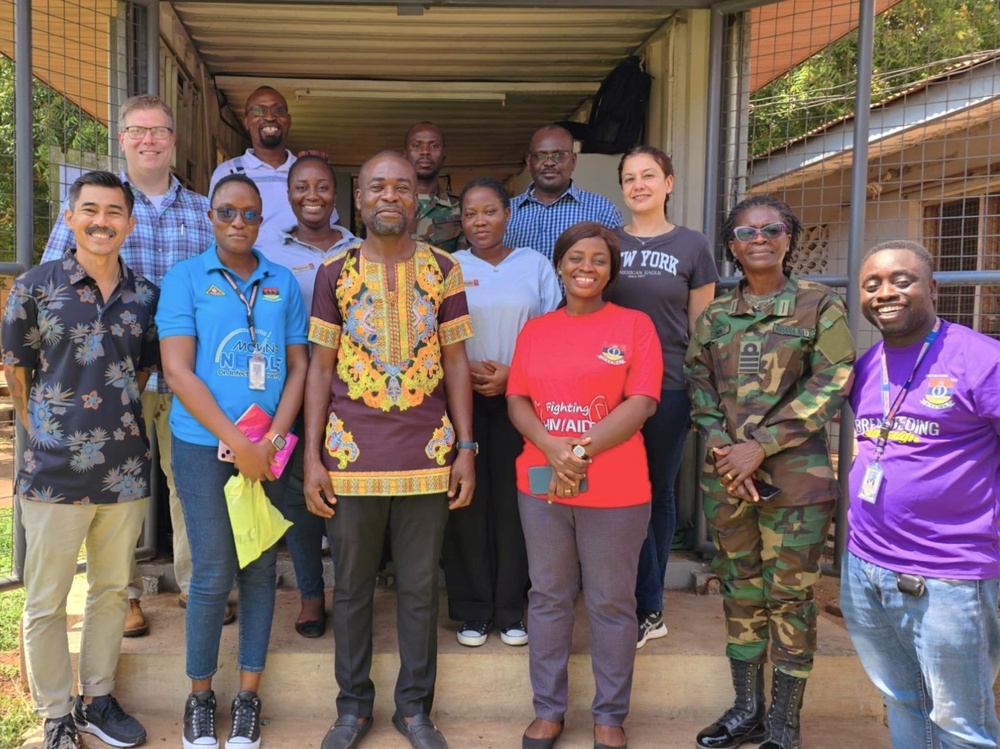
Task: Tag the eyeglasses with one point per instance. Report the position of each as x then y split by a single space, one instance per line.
262 110
749 233
227 215
543 156
138 132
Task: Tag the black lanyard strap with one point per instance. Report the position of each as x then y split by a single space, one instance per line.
246 303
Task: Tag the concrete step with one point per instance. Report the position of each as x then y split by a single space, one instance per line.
483 699
469 732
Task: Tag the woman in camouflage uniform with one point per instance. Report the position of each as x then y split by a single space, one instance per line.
768 366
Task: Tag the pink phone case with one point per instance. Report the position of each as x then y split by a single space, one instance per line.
255 423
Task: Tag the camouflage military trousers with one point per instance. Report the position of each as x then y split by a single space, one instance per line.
767 558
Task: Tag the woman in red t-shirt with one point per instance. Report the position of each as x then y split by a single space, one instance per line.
582 382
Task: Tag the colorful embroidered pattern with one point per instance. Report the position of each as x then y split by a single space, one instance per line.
391 483
390 351
442 440
340 443
388 433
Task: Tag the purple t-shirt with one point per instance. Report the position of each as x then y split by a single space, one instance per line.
936 512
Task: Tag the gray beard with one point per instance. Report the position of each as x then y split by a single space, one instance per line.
384 228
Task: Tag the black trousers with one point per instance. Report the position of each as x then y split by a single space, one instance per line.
485 564
416 526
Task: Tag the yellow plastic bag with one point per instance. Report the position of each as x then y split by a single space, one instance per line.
257 524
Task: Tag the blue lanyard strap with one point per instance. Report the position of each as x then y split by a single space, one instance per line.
890 411
246 303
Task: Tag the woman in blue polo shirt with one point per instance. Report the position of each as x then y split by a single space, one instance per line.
233 333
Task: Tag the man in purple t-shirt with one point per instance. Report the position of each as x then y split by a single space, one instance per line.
921 574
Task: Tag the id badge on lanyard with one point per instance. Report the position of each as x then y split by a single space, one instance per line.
257 365
257 371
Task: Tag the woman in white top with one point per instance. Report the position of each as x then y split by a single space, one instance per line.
485 564
302 249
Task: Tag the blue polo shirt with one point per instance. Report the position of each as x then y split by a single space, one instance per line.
196 300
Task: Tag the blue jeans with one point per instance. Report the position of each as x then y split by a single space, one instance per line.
664 433
305 537
201 477
934 658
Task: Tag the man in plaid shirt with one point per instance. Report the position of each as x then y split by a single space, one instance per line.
171 224
552 203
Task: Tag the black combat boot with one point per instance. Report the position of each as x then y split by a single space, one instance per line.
744 721
783 717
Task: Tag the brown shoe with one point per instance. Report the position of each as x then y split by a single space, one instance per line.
135 622
229 618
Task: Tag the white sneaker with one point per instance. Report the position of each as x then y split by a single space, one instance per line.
515 634
651 627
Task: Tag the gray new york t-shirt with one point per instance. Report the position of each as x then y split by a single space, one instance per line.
656 276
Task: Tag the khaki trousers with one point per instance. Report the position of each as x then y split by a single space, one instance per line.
156 415
54 534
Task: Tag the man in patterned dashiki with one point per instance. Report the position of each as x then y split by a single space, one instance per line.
388 430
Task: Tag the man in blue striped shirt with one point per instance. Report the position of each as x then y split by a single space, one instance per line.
552 203
171 224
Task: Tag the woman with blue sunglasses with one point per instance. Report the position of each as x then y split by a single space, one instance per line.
769 364
232 335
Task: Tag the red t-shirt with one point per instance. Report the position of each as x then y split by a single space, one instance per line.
576 370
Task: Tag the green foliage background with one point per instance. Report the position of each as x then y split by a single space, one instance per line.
914 40
57 122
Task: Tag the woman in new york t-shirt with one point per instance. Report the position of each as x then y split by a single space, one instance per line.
582 382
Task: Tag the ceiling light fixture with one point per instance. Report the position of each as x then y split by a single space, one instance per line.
409 95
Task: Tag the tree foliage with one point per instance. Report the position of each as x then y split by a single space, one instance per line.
56 122
914 40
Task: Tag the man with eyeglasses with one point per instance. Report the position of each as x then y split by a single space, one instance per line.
439 212
266 162
171 224
552 203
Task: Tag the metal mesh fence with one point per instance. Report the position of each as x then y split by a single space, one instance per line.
934 141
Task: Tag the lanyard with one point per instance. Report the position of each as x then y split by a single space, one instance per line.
248 304
891 411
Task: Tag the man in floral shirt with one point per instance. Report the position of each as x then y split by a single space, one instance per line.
78 344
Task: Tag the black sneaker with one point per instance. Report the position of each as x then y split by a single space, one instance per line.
199 721
651 627
245 733
474 634
60 733
105 718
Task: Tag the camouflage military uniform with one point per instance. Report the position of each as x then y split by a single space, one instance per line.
776 377
439 222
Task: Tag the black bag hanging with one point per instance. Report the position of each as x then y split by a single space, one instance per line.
618 115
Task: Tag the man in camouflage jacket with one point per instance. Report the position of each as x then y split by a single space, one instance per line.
439 212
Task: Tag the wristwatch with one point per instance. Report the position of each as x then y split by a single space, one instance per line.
474 446
277 440
579 452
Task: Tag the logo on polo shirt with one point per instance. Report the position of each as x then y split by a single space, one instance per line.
939 392
270 294
214 290
612 354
